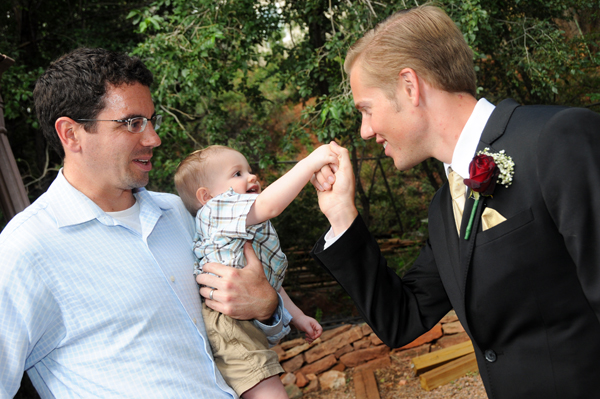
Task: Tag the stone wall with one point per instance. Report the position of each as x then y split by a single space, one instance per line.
323 363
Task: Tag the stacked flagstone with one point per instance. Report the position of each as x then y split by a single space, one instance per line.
323 363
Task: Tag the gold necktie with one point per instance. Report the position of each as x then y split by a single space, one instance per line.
457 190
489 218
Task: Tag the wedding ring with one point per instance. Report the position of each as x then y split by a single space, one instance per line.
210 295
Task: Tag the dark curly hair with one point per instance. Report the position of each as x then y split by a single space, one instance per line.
75 84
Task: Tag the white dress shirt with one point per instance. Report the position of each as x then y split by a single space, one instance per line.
469 138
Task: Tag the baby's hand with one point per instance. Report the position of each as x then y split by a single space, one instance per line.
320 157
309 326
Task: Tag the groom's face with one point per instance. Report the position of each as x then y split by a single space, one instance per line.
392 122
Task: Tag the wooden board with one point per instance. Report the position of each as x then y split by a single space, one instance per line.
448 372
428 361
365 386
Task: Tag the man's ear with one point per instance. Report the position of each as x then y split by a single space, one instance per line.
408 83
203 195
68 134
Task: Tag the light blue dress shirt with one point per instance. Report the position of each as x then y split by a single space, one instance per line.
93 309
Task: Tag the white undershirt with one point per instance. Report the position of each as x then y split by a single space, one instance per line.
463 152
129 217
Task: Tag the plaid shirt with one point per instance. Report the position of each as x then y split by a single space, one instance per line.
221 233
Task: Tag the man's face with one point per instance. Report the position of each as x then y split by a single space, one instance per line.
231 169
394 123
115 158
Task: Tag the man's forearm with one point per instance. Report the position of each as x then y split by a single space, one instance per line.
277 326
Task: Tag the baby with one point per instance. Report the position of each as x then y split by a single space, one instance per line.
218 187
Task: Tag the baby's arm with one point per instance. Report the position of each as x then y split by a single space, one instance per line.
275 198
304 323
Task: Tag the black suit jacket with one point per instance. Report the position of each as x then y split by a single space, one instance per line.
527 291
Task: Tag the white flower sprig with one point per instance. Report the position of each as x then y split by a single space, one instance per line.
505 165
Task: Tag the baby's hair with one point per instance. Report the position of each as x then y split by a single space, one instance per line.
194 172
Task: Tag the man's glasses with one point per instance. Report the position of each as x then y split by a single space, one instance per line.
134 125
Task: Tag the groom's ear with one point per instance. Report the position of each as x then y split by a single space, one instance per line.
203 195
408 84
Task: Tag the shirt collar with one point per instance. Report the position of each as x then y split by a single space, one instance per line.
71 207
469 138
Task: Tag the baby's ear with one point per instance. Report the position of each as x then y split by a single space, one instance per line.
203 195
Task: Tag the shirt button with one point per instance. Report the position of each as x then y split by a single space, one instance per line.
490 356
172 279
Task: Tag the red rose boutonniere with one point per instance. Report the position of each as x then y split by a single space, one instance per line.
485 170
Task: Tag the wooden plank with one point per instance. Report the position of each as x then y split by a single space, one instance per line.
370 384
359 386
365 386
428 361
448 372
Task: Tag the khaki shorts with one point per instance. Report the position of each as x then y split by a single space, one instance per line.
240 349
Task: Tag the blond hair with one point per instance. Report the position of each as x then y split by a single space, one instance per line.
423 38
194 172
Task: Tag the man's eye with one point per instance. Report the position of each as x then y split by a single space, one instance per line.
136 123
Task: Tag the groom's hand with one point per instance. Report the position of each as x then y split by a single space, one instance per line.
337 204
243 294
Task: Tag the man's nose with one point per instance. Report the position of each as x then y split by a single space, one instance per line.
150 137
366 131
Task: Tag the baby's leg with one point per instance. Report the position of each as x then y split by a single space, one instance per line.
271 388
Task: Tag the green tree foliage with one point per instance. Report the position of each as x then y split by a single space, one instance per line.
212 80
534 51
228 69
266 77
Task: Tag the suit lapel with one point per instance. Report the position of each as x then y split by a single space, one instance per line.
452 239
493 130
497 123
467 246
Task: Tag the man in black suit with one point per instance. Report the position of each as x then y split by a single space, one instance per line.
525 281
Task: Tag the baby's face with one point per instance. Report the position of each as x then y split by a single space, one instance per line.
231 169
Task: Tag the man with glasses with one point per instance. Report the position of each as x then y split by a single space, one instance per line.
97 293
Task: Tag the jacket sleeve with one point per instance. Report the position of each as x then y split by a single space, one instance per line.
398 310
568 167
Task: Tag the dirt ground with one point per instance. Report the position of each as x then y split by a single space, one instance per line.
398 382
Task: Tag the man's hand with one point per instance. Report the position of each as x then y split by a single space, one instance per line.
324 178
325 160
337 204
243 294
